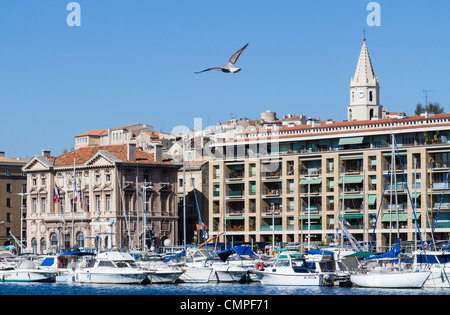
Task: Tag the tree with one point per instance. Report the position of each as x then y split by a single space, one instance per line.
432 107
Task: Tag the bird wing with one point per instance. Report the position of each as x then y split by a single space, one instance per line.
236 55
214 68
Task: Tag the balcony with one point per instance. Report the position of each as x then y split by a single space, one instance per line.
235 212
235 193
267 193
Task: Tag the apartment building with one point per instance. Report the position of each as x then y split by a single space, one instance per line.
294 182
101 197
12 210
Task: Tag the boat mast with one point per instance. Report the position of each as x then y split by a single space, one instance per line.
73 201
184 204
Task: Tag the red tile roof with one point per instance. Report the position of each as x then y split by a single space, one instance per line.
95 132
119 151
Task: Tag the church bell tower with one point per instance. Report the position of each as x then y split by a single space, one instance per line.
364 90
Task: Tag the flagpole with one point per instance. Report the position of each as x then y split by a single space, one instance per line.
73 201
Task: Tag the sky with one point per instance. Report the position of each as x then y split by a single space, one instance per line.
133 61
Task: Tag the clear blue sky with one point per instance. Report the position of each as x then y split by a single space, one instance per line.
133 61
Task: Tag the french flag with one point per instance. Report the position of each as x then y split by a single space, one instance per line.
56 194
77 195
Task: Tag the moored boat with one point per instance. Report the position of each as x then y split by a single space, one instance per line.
289 270
112 267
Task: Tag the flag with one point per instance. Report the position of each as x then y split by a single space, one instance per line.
199 227
56 194
204 226
77 196
347 223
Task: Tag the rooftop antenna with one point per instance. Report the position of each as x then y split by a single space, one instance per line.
364 30
426 96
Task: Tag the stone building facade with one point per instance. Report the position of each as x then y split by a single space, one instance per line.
108 195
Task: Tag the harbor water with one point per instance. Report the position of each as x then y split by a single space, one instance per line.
237 289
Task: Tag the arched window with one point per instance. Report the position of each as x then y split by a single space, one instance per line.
80 240
371 113
43 245
370 96
34 245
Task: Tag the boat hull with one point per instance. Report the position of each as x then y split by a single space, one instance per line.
164 276
110 278
287 279
196 275
27 276
439 278
399 280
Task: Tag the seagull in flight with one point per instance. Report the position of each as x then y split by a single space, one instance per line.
229 68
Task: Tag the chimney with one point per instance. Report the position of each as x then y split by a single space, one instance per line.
157 152
131 151
46 153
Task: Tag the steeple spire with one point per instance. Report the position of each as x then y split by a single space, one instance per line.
364 90
364 74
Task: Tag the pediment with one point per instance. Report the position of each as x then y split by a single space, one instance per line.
99 159
38 163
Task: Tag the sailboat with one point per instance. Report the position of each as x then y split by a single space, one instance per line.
387 270
436 261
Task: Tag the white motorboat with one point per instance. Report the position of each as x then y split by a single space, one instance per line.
23 270
438 263
64 264
197 272
112 267
243 257
289 270
158 271
226 272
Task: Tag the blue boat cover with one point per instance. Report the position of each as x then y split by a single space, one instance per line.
49 261
390 254
76 253
179 255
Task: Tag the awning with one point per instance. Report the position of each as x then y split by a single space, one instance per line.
314 181
415 195
349 197
372 200
353 140
234 218
312 217
351 179
387 217
352 216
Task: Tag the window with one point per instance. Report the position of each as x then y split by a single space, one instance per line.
8 188
61 204
8 202
53 239
108 177
97 203
8 172
44 204
97 178
108 203
34 205
8 217
87 203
